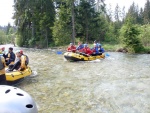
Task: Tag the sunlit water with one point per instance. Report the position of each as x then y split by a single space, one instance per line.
118 84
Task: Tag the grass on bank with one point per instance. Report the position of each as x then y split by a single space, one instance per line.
146 50
112 47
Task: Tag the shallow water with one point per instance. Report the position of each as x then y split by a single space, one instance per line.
118 84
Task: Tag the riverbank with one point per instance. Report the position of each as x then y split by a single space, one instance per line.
109 47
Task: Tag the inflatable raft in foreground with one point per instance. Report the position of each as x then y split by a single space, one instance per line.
70 56
14 77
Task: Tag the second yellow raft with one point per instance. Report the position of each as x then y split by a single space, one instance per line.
70 56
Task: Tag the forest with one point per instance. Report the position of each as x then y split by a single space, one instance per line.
51 23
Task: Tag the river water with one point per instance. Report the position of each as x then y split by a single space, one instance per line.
119 83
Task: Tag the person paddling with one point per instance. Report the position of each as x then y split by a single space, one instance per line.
2 51
71 48
80 46
20 63
10 58
2 71
86 50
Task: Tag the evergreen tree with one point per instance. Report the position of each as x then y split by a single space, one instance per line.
109 13
8 28
123 14
129 33
147 12
34 20
133 12
141 16
89 22
117 13
62 29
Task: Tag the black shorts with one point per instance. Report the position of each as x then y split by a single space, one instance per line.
3 79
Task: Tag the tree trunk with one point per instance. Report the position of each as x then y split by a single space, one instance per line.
73 22
33 30
87 33
87 29
46 37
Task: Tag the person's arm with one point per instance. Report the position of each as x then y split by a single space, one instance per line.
8 56
68 49
12 58
78 48
3 61
23 62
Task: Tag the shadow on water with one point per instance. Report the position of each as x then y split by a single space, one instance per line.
117 84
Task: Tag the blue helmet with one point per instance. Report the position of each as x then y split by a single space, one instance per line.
99 45
85 45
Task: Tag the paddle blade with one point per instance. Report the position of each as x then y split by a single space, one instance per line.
59 52
107 55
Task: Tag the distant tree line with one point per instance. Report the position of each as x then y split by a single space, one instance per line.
7 34
133 27
45 23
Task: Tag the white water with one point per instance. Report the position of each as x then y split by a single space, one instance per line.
118 84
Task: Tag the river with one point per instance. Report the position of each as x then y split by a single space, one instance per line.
119 83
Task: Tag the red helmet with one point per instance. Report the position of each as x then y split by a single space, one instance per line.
21 51
3 48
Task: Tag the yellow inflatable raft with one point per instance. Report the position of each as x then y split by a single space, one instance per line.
13 77
70 56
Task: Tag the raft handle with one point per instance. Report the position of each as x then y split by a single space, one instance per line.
12 75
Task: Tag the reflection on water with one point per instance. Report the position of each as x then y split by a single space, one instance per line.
117 84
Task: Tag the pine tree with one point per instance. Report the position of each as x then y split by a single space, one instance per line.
130 38
133 12
34 20
141 16
147 12
117 13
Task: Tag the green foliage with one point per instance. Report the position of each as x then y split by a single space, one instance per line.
7 34
133 13
129 34
40 24
145 35
110 34
90 25
3 37
34 20
62 27
8 28
146 13
19 41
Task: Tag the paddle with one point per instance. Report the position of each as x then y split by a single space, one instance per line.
107 55
82 54
59 52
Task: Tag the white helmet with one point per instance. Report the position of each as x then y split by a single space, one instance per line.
15 100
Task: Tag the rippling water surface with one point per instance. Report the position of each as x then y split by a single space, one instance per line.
118 84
